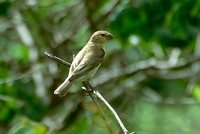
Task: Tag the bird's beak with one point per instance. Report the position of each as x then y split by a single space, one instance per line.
109 36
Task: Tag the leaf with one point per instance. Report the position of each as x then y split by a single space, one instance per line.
24 125
196 92
18 52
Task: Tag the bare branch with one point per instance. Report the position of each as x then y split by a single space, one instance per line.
90 90
55 58
113 111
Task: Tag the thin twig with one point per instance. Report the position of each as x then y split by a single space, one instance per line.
53 57
113 111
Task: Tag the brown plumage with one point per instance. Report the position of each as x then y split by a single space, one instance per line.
86 62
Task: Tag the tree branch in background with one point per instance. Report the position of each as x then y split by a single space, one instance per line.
155 68
152 96
90 90
27 39
95 23
108 12
89 12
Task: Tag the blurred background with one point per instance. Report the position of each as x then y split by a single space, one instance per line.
150 75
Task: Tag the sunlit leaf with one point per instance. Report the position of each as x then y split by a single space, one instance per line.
18 51
196 92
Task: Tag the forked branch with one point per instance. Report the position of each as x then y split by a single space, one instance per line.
91 91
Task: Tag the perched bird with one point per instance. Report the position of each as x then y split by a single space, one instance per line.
86 62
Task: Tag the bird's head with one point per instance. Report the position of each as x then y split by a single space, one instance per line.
101 36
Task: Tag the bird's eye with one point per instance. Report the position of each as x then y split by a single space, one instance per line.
102 34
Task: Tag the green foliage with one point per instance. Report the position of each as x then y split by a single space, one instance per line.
7 112
177 118
150 74
23 125
18 52
33 107
166 88
4 7
173 23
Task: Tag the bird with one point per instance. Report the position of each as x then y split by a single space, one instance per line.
86 62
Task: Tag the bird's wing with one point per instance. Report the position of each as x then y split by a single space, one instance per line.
76 61
90 61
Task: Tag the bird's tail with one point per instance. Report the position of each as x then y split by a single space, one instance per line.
63 89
